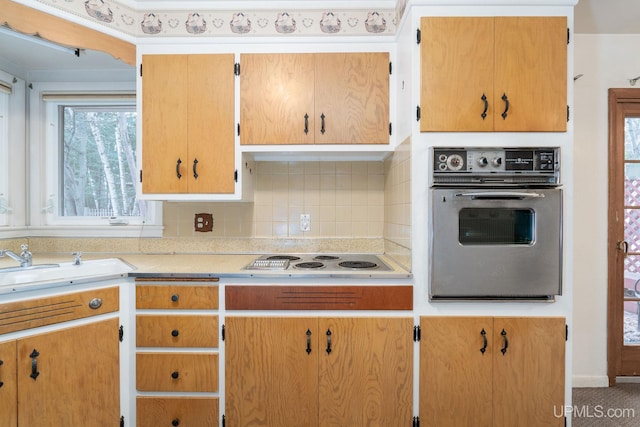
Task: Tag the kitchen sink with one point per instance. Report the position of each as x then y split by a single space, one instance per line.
92 269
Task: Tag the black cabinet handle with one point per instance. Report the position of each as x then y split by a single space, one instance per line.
506 342
328 341
175 422
306 124
486 106
175 297
506 106
1 363
178 163
195 164
175 333
308 341
322 129
484 341
34 364
175 375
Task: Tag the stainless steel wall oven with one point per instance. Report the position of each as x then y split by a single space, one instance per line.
495 224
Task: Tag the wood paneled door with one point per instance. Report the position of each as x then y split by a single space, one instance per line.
624 241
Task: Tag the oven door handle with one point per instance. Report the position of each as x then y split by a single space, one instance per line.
500 195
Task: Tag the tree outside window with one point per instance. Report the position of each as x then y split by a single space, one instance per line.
98 171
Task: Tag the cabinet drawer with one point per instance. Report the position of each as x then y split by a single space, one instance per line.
176 331
180 411
177 296
20 315
177 372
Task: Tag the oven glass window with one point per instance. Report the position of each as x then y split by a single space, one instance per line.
496 226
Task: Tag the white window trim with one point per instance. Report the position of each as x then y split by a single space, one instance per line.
43 155
14 173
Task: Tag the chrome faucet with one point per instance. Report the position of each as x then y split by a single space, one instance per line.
24 258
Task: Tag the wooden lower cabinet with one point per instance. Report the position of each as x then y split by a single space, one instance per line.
492 371
309 371
69 377
177 411
8 385
177 358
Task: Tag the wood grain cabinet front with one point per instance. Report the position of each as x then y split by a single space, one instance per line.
314 98
493 371
177 340
188 124
495 74
50 379
309 371
177 411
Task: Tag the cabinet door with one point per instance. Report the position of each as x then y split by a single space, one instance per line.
531 70
456 376
276 99
211 147
529 374
8 385
352 94
271 376
457 74
164 123
365 371
70 377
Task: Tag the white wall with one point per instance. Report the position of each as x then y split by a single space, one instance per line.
607 61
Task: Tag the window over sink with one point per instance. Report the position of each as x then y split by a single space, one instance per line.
84 166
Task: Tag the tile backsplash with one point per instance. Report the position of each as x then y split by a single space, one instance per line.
343 199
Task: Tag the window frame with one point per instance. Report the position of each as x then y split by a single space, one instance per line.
13 159
45 155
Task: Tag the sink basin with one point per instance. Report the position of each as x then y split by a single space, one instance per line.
63 272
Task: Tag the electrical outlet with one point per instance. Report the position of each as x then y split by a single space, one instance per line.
305 222
203 222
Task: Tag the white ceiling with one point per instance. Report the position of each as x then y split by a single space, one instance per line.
591 16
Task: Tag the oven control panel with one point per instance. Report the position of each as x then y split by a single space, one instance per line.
506 166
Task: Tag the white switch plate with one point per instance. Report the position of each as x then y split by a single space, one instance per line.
305 222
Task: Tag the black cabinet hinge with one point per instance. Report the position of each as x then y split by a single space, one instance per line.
568 114
418 36
417 332
235 175
121 421
140 175
566 332
224 421
390 67
236 68
418 113
390 128
416 422
238 129
121 333
223 333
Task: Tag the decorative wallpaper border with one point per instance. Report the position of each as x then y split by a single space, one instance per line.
216 23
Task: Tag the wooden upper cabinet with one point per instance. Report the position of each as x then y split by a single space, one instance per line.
325 98
493 74
276 93
188 124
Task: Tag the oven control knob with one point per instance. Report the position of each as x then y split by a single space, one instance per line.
482 161
497 161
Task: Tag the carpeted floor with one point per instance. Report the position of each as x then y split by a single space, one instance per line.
617 406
